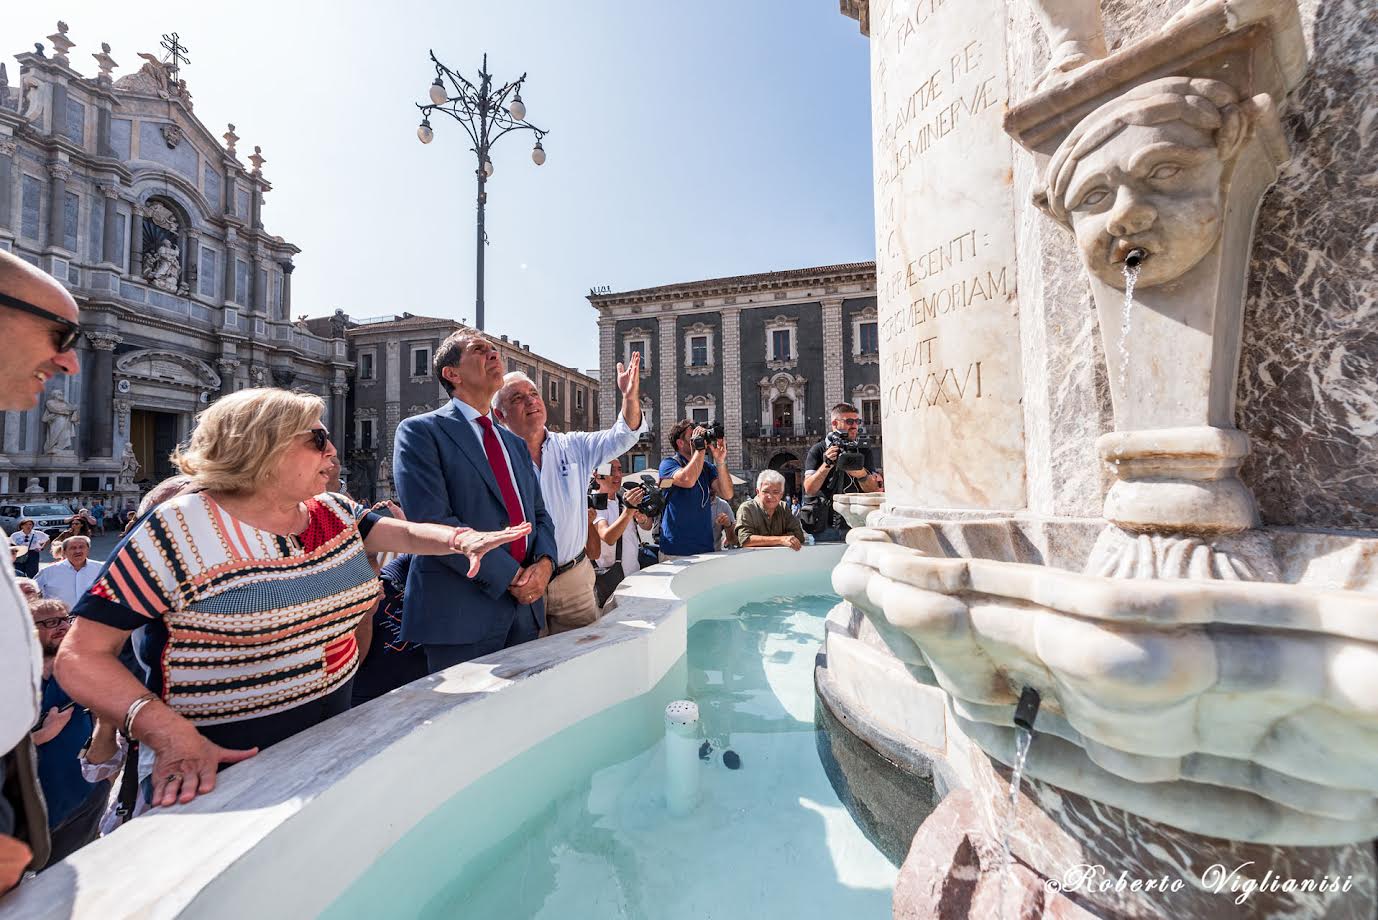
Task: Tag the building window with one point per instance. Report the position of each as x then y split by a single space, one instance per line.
870 412
698 351
279 300
71 216
637 341
31 201
552 390
241 282
579 399
781 347
701 409
870 343
420 360
364 439
205 278
95 227
366 361
698 348
865 336
638 463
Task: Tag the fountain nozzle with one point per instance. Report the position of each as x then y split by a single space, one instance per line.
1027 710
1134 258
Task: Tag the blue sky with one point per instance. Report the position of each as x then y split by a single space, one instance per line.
687 140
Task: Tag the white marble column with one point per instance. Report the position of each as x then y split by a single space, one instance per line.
732 386
832 353
669 382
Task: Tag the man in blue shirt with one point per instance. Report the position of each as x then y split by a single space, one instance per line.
690 481
74 805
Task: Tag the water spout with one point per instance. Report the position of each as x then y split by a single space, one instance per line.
1027 710
1134 258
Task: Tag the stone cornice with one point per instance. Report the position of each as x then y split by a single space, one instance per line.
827 276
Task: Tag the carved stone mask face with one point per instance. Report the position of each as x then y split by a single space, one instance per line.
1150 187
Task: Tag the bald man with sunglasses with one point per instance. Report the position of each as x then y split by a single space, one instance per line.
39 325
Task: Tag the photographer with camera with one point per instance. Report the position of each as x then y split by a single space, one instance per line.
840 464
616 524
690 482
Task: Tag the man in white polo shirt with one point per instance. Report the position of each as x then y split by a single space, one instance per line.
566 461
68 580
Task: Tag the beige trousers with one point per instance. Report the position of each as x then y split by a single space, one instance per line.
570 601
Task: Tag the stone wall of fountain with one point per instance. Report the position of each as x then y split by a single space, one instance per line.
1098 516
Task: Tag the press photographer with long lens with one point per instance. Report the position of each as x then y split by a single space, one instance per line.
840 464
690 481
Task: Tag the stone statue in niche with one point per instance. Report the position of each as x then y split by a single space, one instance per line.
129 465
385 472
163 267
172 136
1144 172
60 419
36 95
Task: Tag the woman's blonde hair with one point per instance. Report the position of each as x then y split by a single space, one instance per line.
240 438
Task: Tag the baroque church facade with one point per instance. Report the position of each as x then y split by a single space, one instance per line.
114 186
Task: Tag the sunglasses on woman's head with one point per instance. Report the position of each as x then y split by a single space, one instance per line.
64 337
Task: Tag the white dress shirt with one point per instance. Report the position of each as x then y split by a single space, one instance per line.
472 415
35 539
67 584
568 459
21 660
607 556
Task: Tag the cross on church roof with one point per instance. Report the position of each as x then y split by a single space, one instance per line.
176 56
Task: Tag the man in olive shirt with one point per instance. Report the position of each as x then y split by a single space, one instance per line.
764 520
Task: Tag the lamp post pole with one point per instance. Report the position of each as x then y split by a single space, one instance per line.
486 114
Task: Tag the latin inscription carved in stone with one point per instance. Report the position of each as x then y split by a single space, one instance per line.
947 308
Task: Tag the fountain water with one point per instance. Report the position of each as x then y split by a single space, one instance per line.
1132 262
1024 715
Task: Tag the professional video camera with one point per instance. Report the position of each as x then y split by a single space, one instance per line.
714 435
654 501
850 458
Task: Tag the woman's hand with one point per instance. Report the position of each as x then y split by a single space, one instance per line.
392 508
185 764
475 543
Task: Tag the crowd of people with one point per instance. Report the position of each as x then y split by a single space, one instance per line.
250 598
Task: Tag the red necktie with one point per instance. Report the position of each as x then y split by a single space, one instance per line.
498 462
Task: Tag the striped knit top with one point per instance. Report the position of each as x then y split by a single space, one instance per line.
242 623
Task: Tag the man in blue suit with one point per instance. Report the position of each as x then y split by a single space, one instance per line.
455 466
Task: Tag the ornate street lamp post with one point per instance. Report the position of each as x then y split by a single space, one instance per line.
487 114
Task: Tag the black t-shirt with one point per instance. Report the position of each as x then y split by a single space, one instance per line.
814 461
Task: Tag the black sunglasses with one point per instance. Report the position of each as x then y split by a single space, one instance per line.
64 338
319 438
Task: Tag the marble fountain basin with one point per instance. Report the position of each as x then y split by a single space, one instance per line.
1231 709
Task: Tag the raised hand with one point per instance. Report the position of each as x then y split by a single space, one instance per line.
630 374
475 543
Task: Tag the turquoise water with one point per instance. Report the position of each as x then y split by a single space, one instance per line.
577 827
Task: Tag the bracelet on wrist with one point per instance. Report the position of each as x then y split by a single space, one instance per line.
133 711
